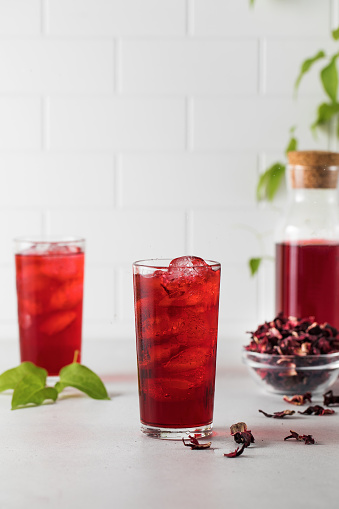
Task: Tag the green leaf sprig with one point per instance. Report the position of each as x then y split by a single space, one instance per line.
270 181
28 382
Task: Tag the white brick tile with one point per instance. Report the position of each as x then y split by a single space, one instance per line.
233 235
253 123
302 18
57 180
20 17
20 123
99 294
44 66
189 66
8 300
126 295
238 297
186 181
124 236
14 223
266 287
284 59
117 17
117 123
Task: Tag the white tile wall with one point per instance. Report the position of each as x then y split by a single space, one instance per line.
20 17
56 66
99 18
116 123
302 18
189 67
143 125
20 123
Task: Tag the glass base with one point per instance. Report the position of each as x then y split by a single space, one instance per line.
177 433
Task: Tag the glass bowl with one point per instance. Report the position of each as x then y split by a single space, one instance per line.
292 374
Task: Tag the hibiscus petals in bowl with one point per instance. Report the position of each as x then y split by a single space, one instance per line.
291 355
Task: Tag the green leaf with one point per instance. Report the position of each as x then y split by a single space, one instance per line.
254 264
292 145
82 378
306 66
10 378
325 113
252 3
31 390
335 34
329 78
270 181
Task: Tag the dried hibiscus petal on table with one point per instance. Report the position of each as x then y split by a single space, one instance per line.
330 399
298 399
278 415
245 437
317 410
195 444
239 427
241 435
235 453
308 439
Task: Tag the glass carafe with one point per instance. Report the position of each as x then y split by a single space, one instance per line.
307 239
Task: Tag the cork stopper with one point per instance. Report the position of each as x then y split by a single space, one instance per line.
315 169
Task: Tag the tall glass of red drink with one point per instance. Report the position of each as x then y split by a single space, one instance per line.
176 317
49 281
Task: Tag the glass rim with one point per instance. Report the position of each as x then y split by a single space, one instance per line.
163 263
288 357
49 239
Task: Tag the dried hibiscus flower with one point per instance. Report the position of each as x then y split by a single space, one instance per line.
298 399
242 436
239 427
195 444
235 453
317 410
308 439
278 415
330 399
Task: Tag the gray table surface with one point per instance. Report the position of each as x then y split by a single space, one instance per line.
82 453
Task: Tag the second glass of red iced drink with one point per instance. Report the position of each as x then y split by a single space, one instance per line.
49 280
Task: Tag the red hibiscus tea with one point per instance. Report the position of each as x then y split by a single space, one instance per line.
307 280
176 314
49 280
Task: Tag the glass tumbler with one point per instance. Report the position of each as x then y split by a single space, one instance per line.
176 317
49 281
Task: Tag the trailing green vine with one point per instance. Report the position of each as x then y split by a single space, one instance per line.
326 116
